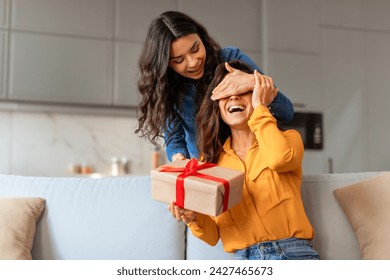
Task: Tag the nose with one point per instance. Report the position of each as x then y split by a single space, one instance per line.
191 61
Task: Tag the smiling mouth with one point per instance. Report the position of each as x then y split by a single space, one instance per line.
195 70
236 108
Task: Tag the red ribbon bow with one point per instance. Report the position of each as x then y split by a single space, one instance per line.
191 169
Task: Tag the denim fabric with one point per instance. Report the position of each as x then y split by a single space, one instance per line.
283 249
183 139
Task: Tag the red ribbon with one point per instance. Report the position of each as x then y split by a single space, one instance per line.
191 169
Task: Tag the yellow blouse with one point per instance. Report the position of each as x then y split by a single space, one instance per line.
271 207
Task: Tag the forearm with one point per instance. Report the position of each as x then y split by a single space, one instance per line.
175 144
283 151
282 108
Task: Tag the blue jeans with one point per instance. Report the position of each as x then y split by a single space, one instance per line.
283 249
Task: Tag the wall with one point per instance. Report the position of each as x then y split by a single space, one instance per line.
329 56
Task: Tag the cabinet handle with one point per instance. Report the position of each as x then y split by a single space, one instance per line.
330 165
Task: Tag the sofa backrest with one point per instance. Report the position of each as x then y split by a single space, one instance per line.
107 218
334 238
115 218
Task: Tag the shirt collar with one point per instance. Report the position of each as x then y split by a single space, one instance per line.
256 164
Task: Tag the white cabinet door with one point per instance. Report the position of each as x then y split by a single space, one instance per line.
299 77
59 69
293 25
72 17
61 51
126 74
345 106
378 100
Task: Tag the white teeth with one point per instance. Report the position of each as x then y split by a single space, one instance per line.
194 71
236 108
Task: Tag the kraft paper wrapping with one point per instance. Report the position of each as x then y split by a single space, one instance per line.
200 195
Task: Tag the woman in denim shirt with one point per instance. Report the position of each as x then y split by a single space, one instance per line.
176 65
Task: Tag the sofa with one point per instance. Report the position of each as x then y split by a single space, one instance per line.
116 218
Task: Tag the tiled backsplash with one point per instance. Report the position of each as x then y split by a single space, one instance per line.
44 144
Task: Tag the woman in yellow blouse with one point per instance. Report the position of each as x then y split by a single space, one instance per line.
239 132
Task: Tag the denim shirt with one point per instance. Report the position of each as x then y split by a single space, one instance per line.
183 139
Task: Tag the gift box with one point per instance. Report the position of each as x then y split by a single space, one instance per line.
202 187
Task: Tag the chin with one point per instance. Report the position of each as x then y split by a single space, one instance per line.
236 123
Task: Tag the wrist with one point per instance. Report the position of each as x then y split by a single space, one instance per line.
193 221
251 82
177 156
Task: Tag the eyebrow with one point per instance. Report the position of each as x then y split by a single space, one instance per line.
193 46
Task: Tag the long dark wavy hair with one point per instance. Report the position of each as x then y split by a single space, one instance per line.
212 131
161 87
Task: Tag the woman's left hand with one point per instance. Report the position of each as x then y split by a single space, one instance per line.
181 214
235 82
264 90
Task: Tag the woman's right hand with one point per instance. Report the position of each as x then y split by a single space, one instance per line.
263 91
181 214
235 82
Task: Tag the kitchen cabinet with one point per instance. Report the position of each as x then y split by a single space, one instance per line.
50 68
74 52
